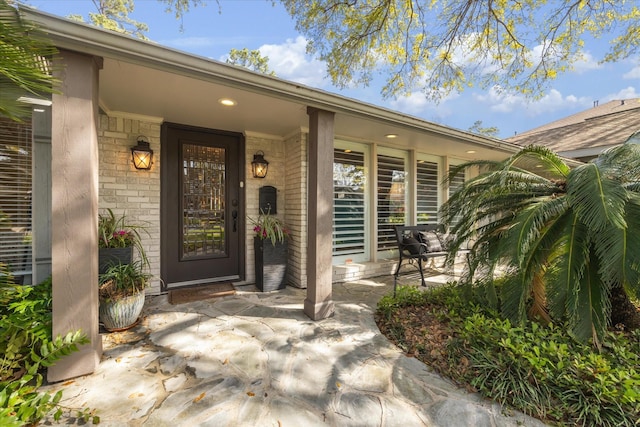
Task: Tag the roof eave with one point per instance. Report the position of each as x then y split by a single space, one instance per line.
84 38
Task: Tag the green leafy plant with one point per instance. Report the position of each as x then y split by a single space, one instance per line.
537 369
268 226
117 232
570 236
122 280
28 347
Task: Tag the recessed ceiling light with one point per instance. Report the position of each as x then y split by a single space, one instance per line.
391 135
227 102
471 151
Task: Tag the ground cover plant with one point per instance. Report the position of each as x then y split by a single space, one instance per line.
539 370
27 348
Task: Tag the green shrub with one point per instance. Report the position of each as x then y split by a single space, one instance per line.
28 347
544 373
405 295
539 370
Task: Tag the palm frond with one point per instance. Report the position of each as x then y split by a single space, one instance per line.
24 68
632 250
568 259
598 201
589 306
621 163
541 160
529 224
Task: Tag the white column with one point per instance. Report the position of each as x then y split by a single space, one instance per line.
74 199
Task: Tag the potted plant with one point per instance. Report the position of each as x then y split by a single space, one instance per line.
270 245
121 295
117 238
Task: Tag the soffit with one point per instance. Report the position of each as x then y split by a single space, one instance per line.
131 88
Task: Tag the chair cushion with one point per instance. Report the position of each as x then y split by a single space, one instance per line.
430 239
411 244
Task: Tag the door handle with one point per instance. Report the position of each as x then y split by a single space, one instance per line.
234 214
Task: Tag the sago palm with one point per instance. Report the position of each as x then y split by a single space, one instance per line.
24 67
568 237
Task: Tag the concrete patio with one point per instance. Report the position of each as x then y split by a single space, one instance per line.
254 359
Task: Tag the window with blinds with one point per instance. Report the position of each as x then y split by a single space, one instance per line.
454 185
427 192
391 199
15 196
348 203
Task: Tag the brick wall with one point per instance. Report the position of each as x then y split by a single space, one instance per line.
296 215
274 153
126 190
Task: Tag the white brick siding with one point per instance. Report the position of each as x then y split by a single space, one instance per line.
126 190
274 153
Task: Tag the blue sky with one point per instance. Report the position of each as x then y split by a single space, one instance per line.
212 31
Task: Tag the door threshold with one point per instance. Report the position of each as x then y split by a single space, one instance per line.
187 283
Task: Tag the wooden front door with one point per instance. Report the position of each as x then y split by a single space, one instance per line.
202 206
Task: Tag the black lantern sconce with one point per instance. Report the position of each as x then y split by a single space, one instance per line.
142 154
259 165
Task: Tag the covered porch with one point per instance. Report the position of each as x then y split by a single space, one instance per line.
114 89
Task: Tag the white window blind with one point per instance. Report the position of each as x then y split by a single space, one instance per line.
454 185
391 199
15 196
348 203
427 192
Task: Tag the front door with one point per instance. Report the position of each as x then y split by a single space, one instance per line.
202 237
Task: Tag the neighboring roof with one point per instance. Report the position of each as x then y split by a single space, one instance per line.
589 132
158 82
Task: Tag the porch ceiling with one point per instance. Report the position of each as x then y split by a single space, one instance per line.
144 78
130 88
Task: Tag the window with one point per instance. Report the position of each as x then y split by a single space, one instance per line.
392 199
349 204
15 196
427 191
456 182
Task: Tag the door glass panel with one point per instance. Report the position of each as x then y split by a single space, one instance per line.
203 196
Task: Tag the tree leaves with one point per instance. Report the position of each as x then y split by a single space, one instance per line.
439 47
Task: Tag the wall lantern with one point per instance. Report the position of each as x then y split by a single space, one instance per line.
259 165
142 154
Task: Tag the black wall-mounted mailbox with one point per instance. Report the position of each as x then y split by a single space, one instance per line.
268 201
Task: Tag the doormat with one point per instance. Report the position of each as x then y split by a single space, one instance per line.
201 292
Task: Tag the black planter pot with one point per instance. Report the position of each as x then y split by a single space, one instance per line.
110 256
271 264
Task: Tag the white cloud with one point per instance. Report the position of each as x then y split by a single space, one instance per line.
418 104
586 63
290 61
634 73
504 102
626 93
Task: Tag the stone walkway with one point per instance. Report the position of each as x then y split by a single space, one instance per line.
254 359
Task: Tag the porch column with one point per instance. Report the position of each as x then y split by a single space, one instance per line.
74 216
318 304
